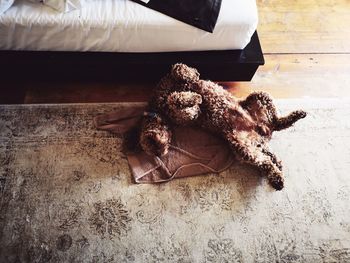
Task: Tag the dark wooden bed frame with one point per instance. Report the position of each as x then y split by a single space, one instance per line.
229 65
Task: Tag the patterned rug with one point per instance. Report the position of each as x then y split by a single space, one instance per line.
67 195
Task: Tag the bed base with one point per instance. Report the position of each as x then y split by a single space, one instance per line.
229 65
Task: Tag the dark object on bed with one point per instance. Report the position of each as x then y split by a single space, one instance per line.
230 65
202 14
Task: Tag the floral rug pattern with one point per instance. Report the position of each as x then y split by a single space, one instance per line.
66 195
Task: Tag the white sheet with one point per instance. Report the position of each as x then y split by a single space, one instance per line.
122 26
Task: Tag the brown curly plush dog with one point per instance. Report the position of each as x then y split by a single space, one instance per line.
181 98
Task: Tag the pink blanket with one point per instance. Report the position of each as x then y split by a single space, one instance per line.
192 152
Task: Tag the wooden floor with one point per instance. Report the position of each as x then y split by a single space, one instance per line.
307 52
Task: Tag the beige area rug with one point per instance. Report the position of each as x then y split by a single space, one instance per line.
67 195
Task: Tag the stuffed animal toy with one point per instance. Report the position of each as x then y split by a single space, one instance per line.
182 98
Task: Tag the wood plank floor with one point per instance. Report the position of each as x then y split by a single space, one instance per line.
307 53
299 26
300 75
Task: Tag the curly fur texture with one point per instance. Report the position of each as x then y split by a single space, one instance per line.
181 98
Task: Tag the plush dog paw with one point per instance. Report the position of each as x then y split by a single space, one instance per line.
184 106
300 114
277 182
182 72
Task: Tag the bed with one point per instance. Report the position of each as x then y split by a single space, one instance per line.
122 39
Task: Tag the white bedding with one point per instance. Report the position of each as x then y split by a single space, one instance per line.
121 26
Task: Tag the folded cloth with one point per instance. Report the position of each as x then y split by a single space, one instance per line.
5 4
192 151
62 5
65 5
202 14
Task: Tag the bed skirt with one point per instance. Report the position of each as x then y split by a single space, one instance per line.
228 65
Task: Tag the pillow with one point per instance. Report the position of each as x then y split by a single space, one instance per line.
5 4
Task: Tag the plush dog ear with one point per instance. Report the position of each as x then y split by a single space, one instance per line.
182 72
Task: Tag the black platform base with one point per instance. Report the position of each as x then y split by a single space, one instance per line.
230 65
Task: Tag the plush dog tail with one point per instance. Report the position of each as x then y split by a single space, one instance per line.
289 120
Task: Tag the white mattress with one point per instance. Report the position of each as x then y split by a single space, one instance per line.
122 26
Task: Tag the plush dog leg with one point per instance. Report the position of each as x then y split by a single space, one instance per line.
266 162
273 157
273 174
155 135
257 101
289 120
260 106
